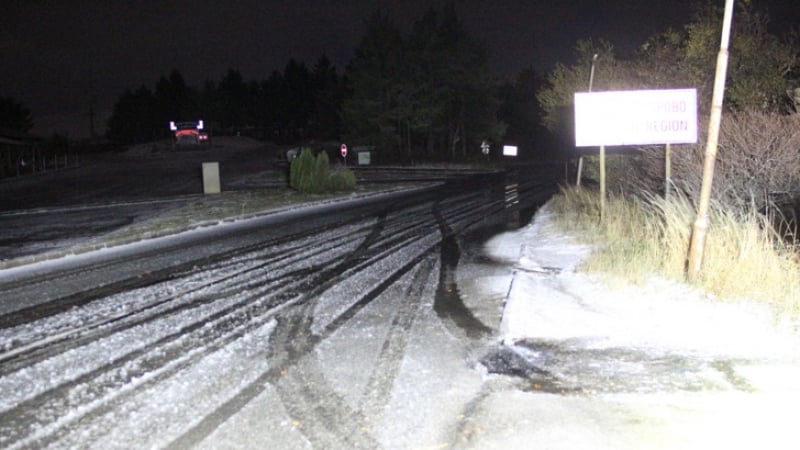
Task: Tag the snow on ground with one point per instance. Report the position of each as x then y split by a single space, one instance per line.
651 366
562 304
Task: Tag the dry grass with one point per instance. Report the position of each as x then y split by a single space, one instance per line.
641 237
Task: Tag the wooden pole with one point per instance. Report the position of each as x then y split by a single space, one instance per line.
602 181
697 245
667 171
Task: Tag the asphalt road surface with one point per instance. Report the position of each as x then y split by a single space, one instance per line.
340 326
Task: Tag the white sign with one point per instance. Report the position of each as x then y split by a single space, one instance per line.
510 150
646 117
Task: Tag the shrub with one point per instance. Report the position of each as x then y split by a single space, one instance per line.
342 180
758 161
320 173
314 175
300 172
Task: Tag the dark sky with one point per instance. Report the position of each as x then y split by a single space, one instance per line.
60 56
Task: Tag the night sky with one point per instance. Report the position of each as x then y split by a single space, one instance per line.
59 57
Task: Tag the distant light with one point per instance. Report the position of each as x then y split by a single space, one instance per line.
200 124
172 126
509 150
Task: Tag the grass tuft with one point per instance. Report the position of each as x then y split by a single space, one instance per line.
644 236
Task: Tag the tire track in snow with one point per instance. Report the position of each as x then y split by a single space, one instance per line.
29 409
143 269
291 341
23 352
293 338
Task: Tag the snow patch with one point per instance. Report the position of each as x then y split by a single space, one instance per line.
659 314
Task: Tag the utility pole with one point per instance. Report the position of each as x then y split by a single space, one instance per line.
701 224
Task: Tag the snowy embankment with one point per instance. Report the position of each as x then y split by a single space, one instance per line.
550 300
657 365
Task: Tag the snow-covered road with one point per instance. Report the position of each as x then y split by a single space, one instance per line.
340 335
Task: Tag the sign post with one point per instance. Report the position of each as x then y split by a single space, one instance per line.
602 182
667 171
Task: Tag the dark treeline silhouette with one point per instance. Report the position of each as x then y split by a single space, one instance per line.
14 116
431 94
296 104
425 95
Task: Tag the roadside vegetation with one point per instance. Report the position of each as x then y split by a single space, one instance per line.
752 250
313 175
643 236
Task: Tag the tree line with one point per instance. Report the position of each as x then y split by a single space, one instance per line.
763 69
426 94
429 94
289 105
758 159
14 116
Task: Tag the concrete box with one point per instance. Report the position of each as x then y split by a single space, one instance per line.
211 183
